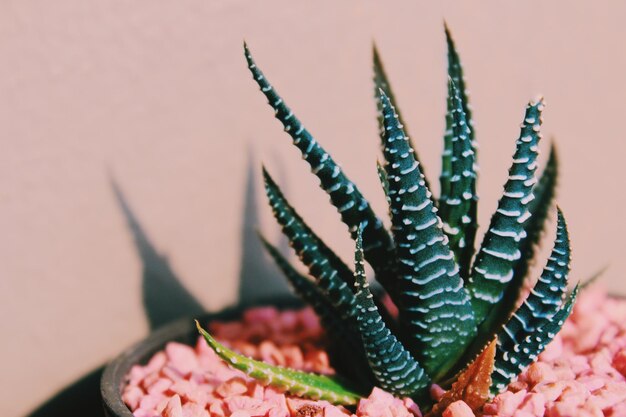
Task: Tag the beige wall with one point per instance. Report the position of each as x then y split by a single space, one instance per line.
157 96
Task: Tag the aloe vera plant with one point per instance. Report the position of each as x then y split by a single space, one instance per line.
453 298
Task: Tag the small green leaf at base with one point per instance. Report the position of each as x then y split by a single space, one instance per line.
302 384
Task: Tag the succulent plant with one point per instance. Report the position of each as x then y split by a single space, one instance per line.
453 299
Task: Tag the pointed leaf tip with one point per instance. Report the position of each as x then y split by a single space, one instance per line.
503 243
344 194
472 385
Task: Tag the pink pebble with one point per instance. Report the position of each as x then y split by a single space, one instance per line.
412 407
508 402
142 412
579 363
574 393
293 356
149 379
552 391
614 393
524 413
317 361
172 373
534 404
192 409
289 319
260 315
436 392
253 407
136 374
240 413
151 401
591 382
217 409
278 412
516 386
382 404
159 386
553 351
246 349
156 362
540 372
181 357
271 354
332 411
309 319
182 387
235 386
132 396
173 408
227 331
619 362
458 409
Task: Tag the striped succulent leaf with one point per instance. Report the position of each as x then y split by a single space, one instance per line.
539 208
303 384
458 209
343 335
393 366
455 72
501 248
434 307
381 82
546 297
345 196
509 364
332 275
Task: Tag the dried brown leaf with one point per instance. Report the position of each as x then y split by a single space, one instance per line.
472 385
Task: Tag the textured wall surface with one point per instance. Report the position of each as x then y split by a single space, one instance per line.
154 98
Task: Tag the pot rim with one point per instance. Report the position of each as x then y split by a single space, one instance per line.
181 330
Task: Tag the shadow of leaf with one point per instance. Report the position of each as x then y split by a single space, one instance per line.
259 278
164 297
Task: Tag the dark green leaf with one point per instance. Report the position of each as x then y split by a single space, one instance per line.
546 296
539 208
509 364
354 209
458 209
434 307
501 248
393 366
332 275
455 72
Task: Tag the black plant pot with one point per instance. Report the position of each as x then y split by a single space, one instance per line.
183 331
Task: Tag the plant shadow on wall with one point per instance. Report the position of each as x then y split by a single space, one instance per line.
166 299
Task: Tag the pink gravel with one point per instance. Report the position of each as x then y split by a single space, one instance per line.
582 373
